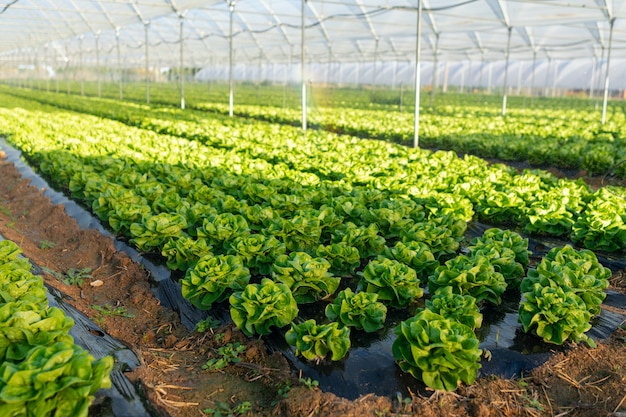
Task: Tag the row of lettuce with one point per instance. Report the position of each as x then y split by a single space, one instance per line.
535 202
42 371
559 133
566 139
267 238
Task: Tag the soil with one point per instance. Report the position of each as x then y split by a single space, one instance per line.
578 382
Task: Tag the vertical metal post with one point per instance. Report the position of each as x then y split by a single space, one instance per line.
606 77
119 62
594 69
98 63
80 66
231 9
374 68
181 67
518 91
462 87
545 87
506 70
418 52
302 68
532 78
146 26
46 67
554 78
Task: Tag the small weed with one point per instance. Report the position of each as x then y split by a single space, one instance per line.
283 389
223 409
5 211
309 383
72 276
107 310
46 244
533 403
404 404
207 324
226 355
521 383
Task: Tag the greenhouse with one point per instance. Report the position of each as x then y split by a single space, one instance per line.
312 208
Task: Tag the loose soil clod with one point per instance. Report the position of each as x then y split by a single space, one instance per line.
579 382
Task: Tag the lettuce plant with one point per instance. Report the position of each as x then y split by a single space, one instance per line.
365 239
153 231
576 271
439 351
555 314
503 261
299 234
440 240
462 308
416 255
315 341
392 281
213 279
17 283
182 252
362 310
344 259
469 276
57 380
307 277
24 325
260 306
9 251
222 229
602 225
507 239
257 251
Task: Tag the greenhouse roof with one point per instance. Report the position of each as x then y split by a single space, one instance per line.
337 30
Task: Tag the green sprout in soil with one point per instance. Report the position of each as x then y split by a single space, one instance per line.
223 409
46 244
226 355
107 310
309 383
207 324
5 211
72 276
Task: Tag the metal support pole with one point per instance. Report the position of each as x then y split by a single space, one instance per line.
506 71
482 67
418 52
47 66
80 65
554 78
606 77
146 27
119 62
181 67
302 68
98 64
532 78
545 87
594 69
231 97
374 74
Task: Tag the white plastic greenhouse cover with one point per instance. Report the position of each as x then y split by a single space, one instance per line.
370 41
